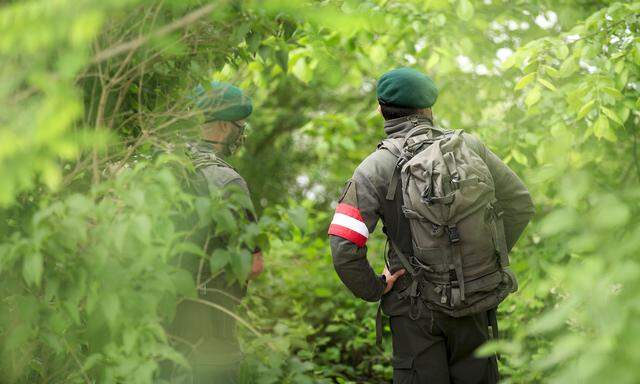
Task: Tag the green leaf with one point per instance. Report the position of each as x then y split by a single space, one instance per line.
189 248
218 260
302 71
559 221
563 51
241 264
142 228
225 221
568 67
32 268
282 58
547 84
183 282
464 10
613 92
110 305
533 96
551 71
526 79
91 361
585 109
203 208
602 129
611 115
519 157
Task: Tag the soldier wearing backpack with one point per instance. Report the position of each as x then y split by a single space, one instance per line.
451 210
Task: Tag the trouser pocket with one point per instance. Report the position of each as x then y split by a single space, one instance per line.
403 372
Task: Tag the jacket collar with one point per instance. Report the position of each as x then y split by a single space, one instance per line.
402 125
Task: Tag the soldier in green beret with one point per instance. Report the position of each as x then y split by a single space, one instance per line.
207 333
451 211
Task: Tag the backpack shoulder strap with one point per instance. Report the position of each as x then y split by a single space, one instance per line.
395 147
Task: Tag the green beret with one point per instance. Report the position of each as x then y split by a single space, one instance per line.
222 101
406 88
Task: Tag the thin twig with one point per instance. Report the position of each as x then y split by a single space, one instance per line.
205 250
75 357
227 312
141 40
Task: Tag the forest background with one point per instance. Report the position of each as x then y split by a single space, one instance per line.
94 97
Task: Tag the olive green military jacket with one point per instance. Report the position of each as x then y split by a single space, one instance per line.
213 173
216 172
363 203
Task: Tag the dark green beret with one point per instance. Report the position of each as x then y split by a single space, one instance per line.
222 101
407 88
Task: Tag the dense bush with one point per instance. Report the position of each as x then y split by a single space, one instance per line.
93 199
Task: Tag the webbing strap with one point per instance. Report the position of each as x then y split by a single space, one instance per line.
457 264
465 183
493 323
379 326
393 183
450 162
404 260
448 199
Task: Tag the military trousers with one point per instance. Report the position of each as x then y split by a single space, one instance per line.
439 349
209 340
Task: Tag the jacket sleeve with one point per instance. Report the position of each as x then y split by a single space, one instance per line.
512 195
349 254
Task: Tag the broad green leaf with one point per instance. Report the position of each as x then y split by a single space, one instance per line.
241 264
189 248
551 71
218 260
433 60
568 67
611 115
562 51
464 10
533 96
32 268
142 228
225 221
585 109
547 84
613 92
519 157
302 71
526 79
602 129
183 282
110 305
282 58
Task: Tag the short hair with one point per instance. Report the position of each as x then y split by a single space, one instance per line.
390 112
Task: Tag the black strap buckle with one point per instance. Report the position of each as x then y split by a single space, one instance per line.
454 235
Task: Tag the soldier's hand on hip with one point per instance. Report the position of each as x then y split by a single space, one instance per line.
391 278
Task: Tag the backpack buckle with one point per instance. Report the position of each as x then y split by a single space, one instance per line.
454 235
402 160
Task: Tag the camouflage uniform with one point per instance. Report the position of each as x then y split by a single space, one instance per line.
214 352
435 348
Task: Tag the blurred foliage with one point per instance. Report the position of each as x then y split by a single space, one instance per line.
95 107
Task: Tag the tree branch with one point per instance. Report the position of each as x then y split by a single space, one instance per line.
139 41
